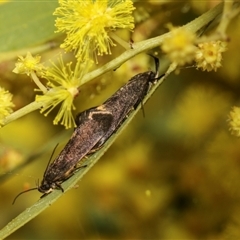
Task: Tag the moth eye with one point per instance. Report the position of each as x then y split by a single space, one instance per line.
44 188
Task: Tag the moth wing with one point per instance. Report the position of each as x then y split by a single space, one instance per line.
84 138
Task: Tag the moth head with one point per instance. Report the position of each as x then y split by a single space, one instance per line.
45 187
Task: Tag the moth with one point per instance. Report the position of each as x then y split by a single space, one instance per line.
94 127
93 124
127 98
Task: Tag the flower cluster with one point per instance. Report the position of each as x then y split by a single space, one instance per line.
234 121
64 84
209 55
179 46
28 65
88 23
6 104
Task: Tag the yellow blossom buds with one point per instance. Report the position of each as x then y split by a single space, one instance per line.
209 55
6 104
234 121
28 65
179 46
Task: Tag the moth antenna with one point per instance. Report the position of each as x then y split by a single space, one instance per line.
157 64
22 193
50 160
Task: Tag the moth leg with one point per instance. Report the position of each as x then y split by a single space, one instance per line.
78 167
59 187
44 195
93 150
70 174
157 78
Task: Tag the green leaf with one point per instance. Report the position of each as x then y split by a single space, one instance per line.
25 24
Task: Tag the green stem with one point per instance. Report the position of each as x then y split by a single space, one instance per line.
38 83
22 112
